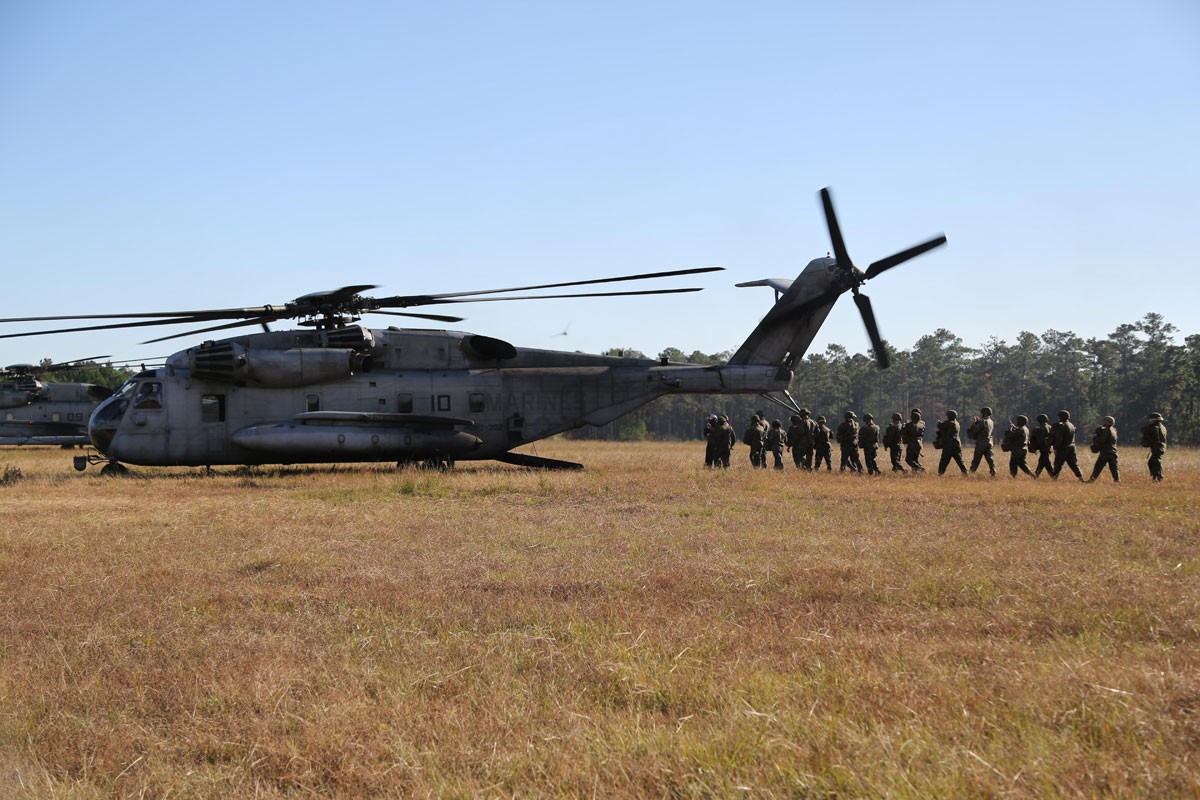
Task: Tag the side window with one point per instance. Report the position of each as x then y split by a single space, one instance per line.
443 402
149 396
404 403
312 402
475 402
56 417
212 408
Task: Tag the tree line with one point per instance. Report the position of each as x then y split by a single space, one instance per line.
1137 369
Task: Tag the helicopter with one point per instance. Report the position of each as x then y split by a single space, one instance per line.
34 411
335 391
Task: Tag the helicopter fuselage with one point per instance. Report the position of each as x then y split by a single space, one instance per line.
357 394
36 412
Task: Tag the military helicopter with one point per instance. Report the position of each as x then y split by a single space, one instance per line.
335 391
36 411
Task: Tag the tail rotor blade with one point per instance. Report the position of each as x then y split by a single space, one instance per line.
868 317
835 232
884 264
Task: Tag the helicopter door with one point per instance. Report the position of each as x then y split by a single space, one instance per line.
213 432
145 434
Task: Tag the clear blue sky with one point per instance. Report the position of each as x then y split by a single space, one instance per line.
167 156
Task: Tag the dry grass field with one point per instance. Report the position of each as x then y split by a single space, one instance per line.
645 628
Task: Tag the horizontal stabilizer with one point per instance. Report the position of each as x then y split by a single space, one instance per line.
780 285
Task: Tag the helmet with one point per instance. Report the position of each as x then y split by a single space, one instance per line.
1022 419
820 419
868 416
804 412
796 417
723 418
897 416
1064 415
1042 418
776 423
1156 415
712 417
951 414
851 415
1109 421
986 411
916 413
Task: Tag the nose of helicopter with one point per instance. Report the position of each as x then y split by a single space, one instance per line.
102 425
101 438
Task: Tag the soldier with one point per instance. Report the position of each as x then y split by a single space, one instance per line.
723 439
1016 443
755 438
949 443
1039 442
1154 436
821 435
1104 442
868 440
981 431
710 447
847 436
913 437
891 440
775 441
800 439
1062 437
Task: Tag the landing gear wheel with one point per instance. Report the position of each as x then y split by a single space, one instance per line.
114 470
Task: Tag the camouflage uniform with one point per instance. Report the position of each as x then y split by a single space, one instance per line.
1104 442
710 447
1016 442
891 440
1039 442
1154 436
847 436
722 439
755 438
981 431
1062 436
913 437
947 435
800 439
821 436
775 440
868 440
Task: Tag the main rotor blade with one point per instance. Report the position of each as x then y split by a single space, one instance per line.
562 296
835 232
434 317
884 264
240 323
202 314
428 299
114 326
73 364
868 317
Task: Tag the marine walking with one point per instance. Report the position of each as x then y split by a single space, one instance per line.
810 442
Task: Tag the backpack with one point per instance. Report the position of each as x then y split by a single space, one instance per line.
752 436
1150 435
1097 439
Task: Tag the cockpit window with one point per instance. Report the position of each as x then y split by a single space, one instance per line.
149 396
